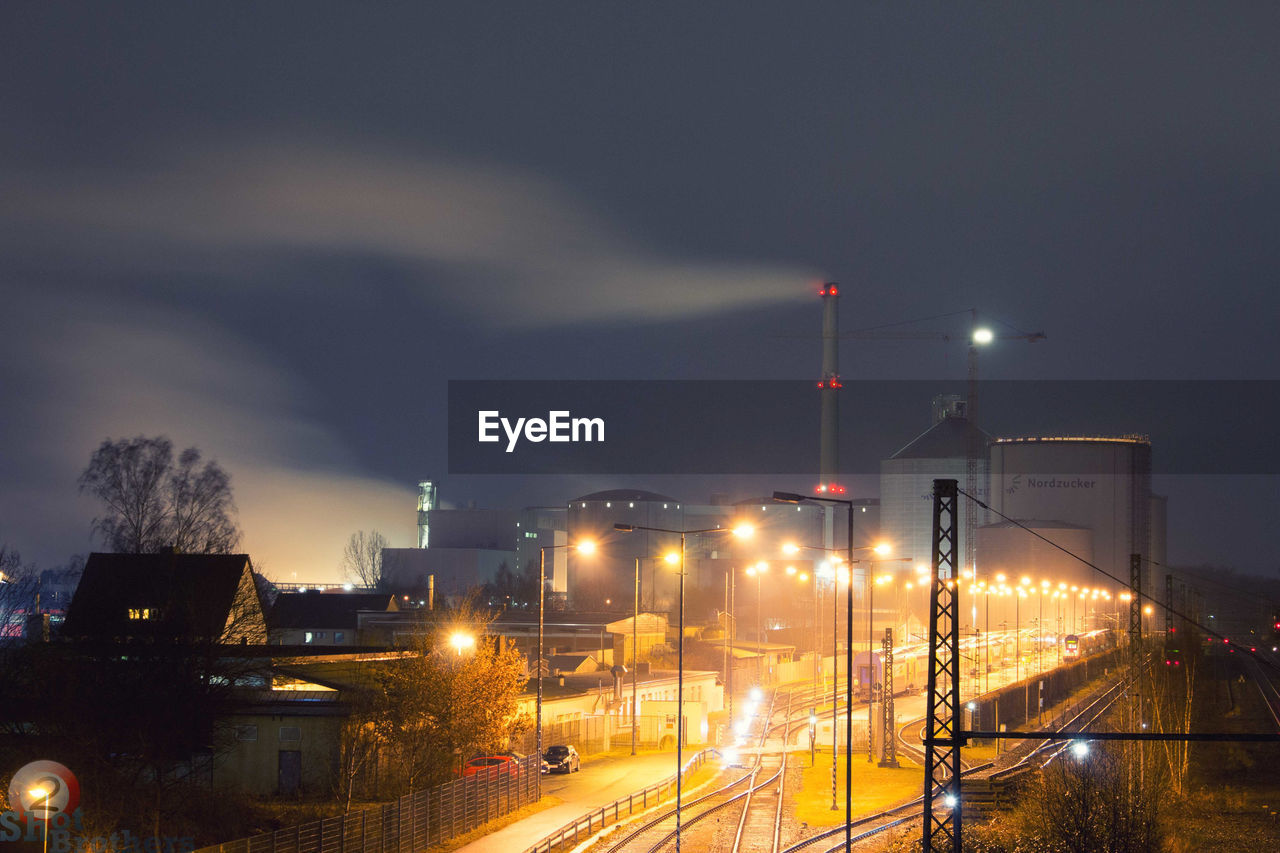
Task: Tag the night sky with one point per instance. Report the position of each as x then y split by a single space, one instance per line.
276 231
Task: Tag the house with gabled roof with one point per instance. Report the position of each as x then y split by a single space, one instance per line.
167 597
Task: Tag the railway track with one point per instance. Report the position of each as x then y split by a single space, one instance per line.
910 814
742 815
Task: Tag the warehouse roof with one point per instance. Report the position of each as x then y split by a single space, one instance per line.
625 495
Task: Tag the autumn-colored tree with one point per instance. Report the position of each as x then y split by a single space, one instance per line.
453 693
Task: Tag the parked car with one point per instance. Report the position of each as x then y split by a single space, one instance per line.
491 766
562 759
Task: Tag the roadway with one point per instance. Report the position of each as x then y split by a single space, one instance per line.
600 782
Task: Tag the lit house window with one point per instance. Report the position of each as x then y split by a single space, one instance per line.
141 614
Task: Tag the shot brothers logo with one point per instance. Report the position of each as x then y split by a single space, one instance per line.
45 790
44 800
44 797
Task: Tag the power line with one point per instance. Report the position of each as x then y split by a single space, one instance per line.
1141 595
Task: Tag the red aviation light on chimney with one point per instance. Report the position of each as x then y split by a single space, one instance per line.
829 289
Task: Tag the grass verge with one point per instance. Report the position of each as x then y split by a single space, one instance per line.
875 788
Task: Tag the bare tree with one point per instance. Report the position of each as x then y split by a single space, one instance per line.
18 586
151 502
362 558
200 506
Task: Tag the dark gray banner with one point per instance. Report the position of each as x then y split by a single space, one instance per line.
771 427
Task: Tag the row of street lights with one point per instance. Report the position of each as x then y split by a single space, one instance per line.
758 570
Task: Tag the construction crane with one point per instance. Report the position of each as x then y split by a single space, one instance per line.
978 336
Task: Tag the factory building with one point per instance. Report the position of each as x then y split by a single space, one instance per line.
906 481
544 527
1036 549
606 579
1102 484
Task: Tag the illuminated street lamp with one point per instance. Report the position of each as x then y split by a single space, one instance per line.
42 793
742 531
838 572
793 498
587 548
758 572
462 641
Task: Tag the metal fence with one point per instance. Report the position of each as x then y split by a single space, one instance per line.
571 832
411 823
601 732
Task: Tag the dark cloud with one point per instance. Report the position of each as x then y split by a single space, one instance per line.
275 234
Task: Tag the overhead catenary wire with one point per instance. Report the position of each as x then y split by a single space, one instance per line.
1141 595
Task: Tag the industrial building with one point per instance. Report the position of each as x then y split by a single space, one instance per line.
906 481
1099 483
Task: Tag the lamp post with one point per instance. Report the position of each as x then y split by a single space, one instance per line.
793 498
585 547
757 571
791 550
42 793
635 657
742 530
833 563
1044 587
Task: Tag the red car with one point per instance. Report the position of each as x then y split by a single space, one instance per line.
490 766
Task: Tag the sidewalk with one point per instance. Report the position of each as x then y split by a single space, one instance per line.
599 783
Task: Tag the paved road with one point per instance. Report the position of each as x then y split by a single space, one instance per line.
598 783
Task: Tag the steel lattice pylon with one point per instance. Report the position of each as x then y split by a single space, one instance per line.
943 740
888 734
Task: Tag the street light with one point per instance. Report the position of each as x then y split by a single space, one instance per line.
758 572
742 531
588 548
461 641
793 498
42 793
834 564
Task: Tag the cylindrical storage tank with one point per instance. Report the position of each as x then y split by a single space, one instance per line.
1103 484
1018 550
